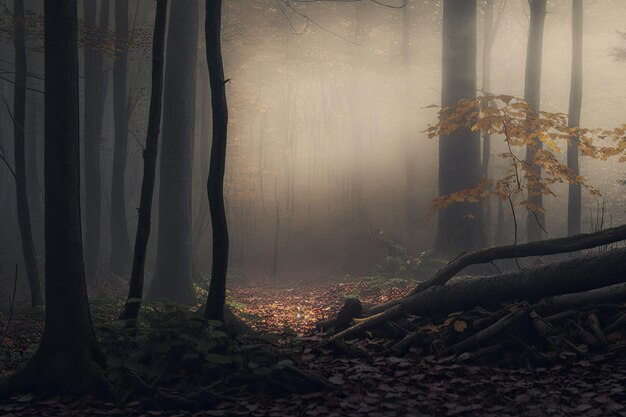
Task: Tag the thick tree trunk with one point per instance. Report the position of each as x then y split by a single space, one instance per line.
535 221
575 103
120 260
95 92
19 115
460 225
135 291
173 275
215 183
576 275
68 359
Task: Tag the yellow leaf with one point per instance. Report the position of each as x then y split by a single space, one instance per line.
460 326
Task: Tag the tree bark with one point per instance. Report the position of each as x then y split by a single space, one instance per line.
535 221
95 93
120 260
173 275
575 104
135 291
541 248
580 274
68 359
410 148
19 116
460 225
215 184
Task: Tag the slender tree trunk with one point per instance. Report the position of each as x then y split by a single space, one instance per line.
215 183
460 226
202 217
135 291
486 86
532 94
277 227
19 114
95 92
575 105
173 275
68 359
410 148
120 261
33 182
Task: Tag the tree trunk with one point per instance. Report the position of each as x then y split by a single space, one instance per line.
135 291
575 103
215 183
120 260
173 275
532 94
410 148
541 248
95 92
576 275
68 359
33 181
489 29
460 225
19 115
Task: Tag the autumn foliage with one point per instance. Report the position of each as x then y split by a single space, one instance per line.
520 126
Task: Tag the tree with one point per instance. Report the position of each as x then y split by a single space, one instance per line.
19 126
120 244
532 94
135 292
490 31
410 148
575 103
215 183
460 225
95 94
68 359
173 270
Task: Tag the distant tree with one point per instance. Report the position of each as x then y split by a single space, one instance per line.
95 95
460 225
68 359
535 223
19 127
619 52
120 260
174 257
490 30
135 292
575 104
215 184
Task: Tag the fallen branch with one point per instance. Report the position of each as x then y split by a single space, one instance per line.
541 248
580 274
484 256
490 331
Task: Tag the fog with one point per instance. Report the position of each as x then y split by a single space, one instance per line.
328 104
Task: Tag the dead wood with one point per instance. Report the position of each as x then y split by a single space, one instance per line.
490 331
569 277
541 248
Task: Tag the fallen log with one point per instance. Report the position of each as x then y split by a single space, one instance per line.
600 295
541 248
576 275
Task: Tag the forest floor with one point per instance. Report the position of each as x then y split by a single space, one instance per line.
370 384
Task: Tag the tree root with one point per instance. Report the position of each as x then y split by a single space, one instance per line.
46 375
